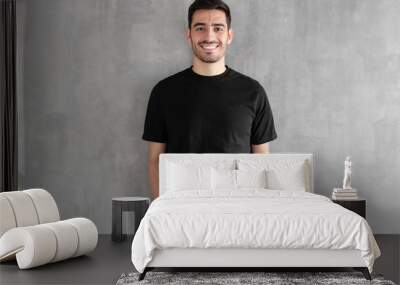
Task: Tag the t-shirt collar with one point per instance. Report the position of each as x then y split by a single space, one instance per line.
218 76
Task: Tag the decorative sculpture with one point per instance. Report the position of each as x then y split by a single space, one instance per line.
347 173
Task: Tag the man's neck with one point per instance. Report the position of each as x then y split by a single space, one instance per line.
208 69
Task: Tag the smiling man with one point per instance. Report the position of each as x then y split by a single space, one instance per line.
208 107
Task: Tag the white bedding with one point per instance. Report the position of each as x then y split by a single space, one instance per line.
250 218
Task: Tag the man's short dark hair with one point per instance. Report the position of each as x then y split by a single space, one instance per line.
209 5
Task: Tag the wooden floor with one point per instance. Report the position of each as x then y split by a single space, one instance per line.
110 260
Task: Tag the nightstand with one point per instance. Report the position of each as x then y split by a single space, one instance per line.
138 205
358 206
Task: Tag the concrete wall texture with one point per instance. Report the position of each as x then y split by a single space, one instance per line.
330 68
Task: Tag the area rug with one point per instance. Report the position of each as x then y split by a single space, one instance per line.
244 278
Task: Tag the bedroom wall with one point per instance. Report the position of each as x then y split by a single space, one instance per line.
331 70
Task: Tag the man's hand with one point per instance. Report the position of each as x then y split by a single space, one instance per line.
155 149
260 148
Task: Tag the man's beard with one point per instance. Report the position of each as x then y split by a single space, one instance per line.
208 58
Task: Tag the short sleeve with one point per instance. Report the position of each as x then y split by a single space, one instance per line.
155 125
263 128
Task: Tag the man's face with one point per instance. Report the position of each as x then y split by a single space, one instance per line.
209 35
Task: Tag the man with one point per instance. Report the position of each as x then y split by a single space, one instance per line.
208 107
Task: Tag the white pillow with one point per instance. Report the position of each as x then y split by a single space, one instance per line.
287 179
282 174
224 179
235 179
252 178
188 177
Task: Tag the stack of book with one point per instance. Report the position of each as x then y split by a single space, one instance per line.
344 194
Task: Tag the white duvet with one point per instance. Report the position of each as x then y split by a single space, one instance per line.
251 218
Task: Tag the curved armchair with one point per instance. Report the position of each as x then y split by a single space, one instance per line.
31 231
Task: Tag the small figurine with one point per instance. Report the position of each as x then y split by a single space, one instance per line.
347 173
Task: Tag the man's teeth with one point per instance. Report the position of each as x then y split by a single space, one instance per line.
209 46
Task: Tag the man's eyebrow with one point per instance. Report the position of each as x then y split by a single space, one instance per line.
203 24
218 25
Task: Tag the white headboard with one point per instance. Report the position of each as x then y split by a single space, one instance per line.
164 157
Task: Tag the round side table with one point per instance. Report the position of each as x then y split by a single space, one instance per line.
139 205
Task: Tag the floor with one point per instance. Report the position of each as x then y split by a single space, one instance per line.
110 260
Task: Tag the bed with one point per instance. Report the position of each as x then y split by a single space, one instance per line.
245 211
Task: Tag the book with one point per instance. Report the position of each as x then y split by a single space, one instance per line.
345 194
341 190
345 198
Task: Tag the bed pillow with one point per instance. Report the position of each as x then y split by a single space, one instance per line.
224 179
288 179
251 178
283 174
188 177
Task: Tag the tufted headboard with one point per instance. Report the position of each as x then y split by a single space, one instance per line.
231 159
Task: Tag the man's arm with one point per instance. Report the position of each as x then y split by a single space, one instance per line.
260 148
155 149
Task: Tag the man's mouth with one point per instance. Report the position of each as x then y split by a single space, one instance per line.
209 47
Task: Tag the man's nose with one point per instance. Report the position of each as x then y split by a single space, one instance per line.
210 34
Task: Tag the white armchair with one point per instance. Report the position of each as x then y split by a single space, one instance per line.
32 233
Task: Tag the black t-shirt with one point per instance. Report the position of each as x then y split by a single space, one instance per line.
224 113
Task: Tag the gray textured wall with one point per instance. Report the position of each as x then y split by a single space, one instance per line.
331 70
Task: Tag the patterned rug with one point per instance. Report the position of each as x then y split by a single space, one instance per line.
243 278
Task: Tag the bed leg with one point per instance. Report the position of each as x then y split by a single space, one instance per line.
364 271
143 274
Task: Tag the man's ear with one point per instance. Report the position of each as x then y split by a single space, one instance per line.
188 35
230 36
